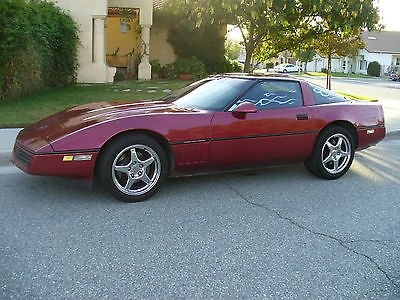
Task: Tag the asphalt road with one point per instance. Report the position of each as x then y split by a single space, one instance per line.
273 233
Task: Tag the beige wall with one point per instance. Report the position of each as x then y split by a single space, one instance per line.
91 17
160 48
91 67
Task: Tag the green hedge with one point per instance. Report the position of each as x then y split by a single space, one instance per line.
38 47
374 69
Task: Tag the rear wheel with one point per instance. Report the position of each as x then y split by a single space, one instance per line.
285 71
133 167
333 153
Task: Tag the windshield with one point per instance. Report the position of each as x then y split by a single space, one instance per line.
213 94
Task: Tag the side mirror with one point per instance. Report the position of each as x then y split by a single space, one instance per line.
245 108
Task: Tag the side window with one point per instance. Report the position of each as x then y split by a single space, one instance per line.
274 94
324 96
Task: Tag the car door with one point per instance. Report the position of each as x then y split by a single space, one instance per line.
279 132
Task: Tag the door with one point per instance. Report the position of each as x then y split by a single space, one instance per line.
279 132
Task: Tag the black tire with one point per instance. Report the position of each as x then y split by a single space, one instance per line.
284 71
132 167
333 153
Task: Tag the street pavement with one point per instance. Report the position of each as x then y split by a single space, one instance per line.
278 233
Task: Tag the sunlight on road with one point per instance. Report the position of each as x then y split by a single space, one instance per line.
383 167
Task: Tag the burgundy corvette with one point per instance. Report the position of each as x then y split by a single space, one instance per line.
219 123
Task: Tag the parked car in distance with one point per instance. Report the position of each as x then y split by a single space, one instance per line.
217 124
395 76
286 68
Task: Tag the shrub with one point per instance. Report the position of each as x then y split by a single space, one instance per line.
231 66
120 74
38 45
191 66
324 70
374 69
155 66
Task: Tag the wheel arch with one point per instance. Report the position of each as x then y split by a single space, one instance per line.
345 124
160 139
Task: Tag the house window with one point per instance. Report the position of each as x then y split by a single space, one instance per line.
397 61
124 27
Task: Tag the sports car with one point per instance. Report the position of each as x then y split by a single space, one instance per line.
225 122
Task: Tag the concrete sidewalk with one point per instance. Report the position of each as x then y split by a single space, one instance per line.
7 139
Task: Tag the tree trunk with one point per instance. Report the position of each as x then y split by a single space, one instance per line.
247 64
250 47
329 73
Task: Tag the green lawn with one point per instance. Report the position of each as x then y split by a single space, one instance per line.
336 74
26 110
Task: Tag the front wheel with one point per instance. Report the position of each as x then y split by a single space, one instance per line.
333 153
133 167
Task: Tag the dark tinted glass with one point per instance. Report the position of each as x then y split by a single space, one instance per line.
214 95
273 94
324 96
185 90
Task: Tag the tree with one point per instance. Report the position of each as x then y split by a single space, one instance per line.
206 42
232 49
259 21
331 44
340 25
269 27
305 56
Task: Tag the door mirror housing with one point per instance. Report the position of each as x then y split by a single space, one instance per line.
245 108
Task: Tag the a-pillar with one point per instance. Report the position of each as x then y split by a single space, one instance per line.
144 72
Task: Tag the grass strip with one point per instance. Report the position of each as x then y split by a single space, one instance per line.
26 110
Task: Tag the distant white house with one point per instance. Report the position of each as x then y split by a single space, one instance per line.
383 47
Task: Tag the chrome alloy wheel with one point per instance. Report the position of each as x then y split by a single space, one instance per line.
136 169
336 153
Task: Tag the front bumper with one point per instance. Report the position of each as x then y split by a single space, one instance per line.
54 163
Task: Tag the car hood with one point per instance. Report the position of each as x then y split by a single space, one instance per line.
38 136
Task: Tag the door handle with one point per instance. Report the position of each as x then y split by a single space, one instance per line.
302 117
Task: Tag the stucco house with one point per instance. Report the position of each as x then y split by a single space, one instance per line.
109 42
383 47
